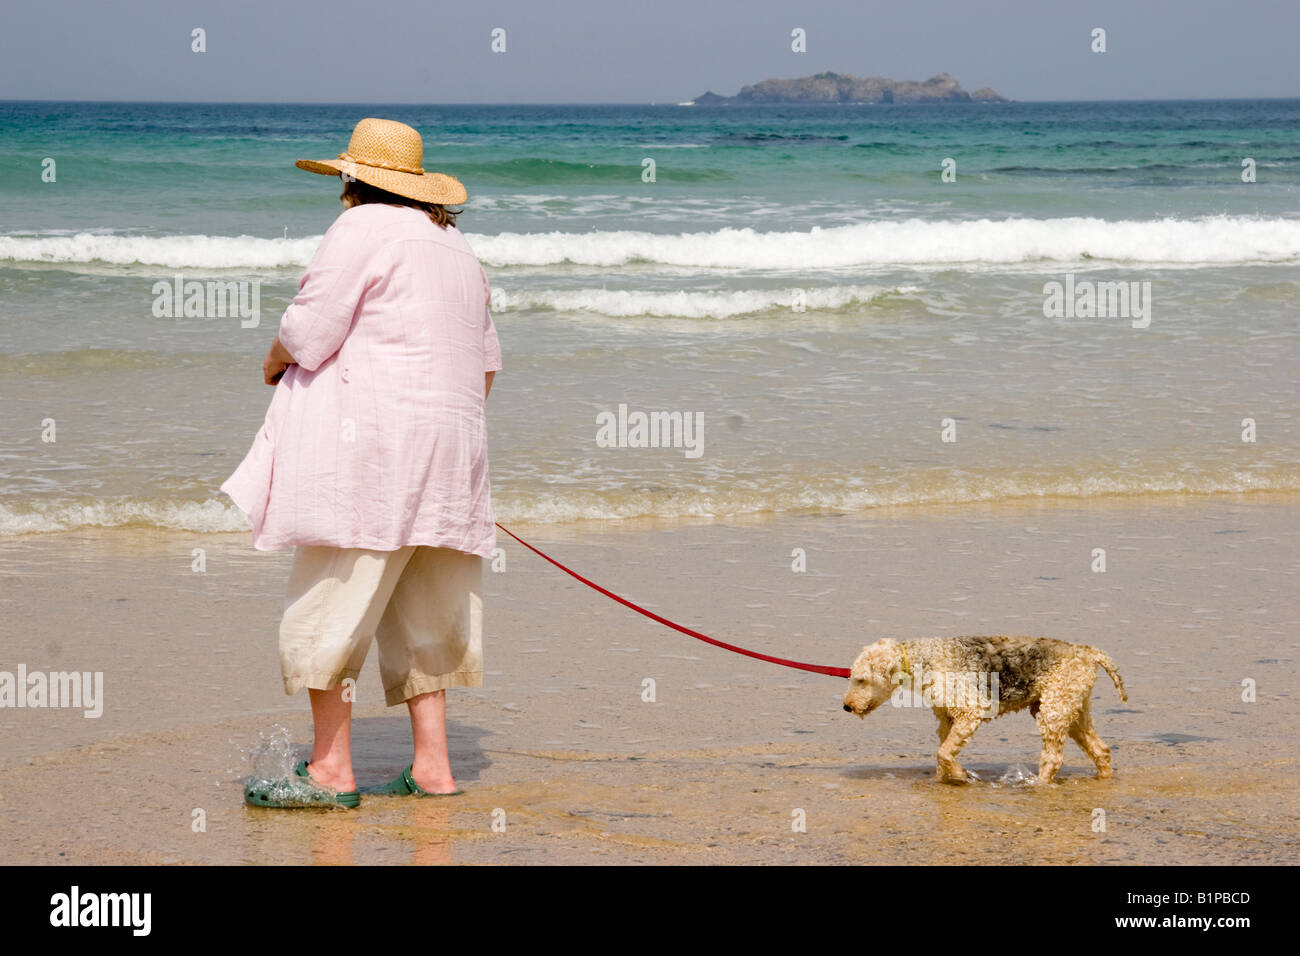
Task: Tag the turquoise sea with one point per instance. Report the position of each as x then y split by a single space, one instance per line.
802 279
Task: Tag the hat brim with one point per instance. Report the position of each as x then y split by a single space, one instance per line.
422 187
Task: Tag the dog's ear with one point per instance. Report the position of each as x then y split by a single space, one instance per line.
872 657
891 660
884 652
864 663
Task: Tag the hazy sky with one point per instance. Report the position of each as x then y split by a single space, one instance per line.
594 51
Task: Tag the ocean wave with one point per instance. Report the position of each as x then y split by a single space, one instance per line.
728 500
836 497
204 517
173 252
915 242
629 303
1222 240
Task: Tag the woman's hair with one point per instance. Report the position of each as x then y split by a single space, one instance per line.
357 193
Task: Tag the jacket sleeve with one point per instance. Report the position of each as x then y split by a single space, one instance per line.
320 316
491 344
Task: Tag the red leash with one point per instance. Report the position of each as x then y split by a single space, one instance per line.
797 665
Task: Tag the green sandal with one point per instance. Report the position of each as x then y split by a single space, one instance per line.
297 792
405 786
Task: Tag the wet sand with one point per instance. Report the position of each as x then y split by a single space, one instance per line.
1199 594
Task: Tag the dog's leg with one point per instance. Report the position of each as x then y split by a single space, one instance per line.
1069 687
961 730
1084 733
1053 722
945 723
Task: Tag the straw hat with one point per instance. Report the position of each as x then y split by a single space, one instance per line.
390 155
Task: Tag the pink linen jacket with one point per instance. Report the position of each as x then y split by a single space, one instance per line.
377 437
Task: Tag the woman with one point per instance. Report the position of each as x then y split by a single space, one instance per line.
373 464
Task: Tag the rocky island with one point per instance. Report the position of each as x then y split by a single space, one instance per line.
847 88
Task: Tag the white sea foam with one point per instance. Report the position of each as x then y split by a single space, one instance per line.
832 496
624 303
204 517
915 242
912 242
176 252
542 504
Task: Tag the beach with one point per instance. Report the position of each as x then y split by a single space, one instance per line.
796 390
560 747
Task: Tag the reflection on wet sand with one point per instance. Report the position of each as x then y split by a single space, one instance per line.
560 745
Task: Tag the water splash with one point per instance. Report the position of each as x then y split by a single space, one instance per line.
274 761
1017 776
274 755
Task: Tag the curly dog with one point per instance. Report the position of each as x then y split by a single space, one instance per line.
967 680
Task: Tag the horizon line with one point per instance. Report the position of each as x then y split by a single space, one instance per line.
1008 101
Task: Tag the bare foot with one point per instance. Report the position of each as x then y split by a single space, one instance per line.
336 778
431 781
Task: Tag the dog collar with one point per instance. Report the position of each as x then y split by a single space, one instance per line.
907 665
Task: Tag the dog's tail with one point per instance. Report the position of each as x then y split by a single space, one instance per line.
1102 659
